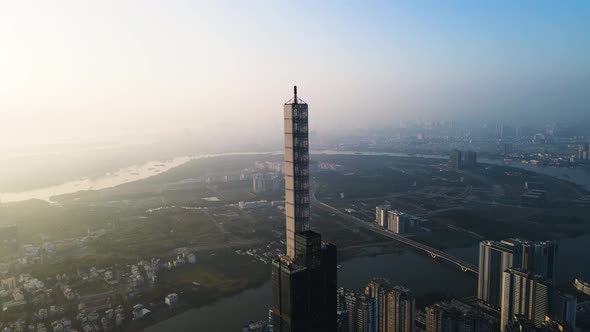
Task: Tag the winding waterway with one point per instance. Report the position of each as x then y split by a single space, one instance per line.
139 172
154 167
406 268
419 272
109 180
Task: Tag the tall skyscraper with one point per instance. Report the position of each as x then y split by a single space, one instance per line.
365 314
399 222
395 307
341 299
539 258
381 215
350 299
377 289
296 170
524 294
401 310
494 259
303 281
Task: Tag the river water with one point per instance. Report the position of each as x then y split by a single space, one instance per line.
140 172
419 272
109 180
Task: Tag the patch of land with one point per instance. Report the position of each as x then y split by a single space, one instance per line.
460 207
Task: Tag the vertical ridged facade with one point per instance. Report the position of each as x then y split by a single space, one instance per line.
296 170
303 281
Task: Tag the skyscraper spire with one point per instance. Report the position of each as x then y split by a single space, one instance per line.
303 281
296 171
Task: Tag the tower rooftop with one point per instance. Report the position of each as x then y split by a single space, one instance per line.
295 99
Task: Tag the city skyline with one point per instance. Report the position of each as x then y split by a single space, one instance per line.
430 174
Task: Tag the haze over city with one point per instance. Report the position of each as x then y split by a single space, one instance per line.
308 166
112 68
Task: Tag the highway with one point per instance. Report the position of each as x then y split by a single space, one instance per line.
434 253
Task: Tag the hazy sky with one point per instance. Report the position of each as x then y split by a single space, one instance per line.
87 67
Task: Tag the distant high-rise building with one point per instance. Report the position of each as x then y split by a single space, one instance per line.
540 258
258 183
350 300
565 309
494 259
266 182
398 222
507 148
400 310
365 314
455 316
462 159
525 294
381 215
377 289
434 316
304 281
469 159
395 307
584 152
456 160
341 298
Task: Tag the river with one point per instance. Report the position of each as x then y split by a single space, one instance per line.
419 272
406 268
139 172
110 179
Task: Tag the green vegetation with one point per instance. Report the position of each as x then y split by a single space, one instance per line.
155 217
461 207
91 288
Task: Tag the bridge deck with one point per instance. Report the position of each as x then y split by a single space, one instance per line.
435 253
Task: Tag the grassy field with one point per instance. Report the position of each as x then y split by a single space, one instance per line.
484 200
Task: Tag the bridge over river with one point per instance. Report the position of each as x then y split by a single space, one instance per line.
434 253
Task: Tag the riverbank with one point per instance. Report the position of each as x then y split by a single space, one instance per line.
407 268
146 170
403 268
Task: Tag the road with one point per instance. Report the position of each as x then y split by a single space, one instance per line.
434 253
